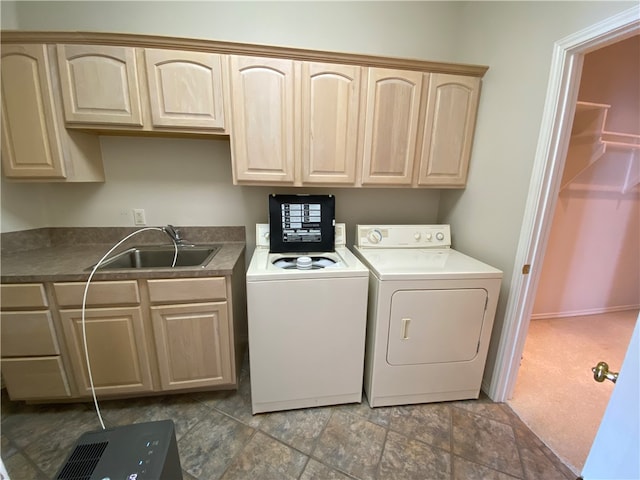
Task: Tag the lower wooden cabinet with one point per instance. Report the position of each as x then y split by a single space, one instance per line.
193 345
143 337
32 366
117 349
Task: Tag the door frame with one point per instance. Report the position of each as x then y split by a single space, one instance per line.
553 141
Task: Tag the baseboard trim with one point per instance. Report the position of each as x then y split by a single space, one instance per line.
589 311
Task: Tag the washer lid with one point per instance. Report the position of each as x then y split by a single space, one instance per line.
302 223
264 266
423 263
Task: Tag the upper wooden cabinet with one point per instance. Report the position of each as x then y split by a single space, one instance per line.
274 141
329 107
295 117
185 88
35 144
309 124
448 133
262 116
391 126
146 89
99 84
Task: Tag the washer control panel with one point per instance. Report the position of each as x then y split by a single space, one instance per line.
403 236
262 235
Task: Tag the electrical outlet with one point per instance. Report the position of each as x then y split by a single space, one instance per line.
138 217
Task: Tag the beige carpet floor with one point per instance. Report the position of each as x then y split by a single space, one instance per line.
555 394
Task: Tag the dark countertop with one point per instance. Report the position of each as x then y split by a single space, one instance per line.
66 254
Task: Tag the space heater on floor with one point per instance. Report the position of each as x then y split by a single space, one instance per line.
142 451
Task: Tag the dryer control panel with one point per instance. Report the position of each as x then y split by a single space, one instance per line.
403 236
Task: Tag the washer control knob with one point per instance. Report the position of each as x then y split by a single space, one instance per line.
428 236
439 236
374 236
417 236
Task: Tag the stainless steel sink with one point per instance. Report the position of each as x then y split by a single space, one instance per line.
161 256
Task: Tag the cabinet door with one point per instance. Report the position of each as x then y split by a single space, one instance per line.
185 88
330 108
193 342
117 349
262 128
99 84
30 143
391 126
448 134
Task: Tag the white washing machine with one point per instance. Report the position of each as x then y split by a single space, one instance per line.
307 322
431 311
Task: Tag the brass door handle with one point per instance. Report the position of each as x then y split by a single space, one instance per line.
601 373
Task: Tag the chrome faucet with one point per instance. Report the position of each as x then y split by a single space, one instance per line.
174 233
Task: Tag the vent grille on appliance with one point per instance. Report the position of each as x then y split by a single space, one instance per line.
83 461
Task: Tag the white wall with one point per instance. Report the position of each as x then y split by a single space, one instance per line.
514 39
407 29
188 182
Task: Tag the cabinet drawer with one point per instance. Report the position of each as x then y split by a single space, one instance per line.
26 334
124 292
24 295
35 377
187 290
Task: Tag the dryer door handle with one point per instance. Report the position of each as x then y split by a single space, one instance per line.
405 328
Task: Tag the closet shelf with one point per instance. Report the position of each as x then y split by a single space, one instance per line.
590 141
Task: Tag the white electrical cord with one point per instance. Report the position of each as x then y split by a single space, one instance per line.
84 302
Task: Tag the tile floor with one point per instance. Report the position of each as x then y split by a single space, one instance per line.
219 438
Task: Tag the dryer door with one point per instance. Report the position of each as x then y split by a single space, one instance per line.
435 326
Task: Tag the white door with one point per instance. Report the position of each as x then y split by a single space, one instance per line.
614 453
435 326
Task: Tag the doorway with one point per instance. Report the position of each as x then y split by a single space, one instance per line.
545 187
588 297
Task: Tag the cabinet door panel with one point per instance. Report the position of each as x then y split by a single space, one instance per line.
23 295
330 108
35 378
262 130
448 134
27 334
116 292
99 84
391 125
30 146
194 345
175 290
185 89
117 349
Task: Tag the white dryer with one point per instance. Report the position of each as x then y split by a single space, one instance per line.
431 311
307 317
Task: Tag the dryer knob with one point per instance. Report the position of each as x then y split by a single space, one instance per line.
428 236
439 236
417 236
374 236
266 236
